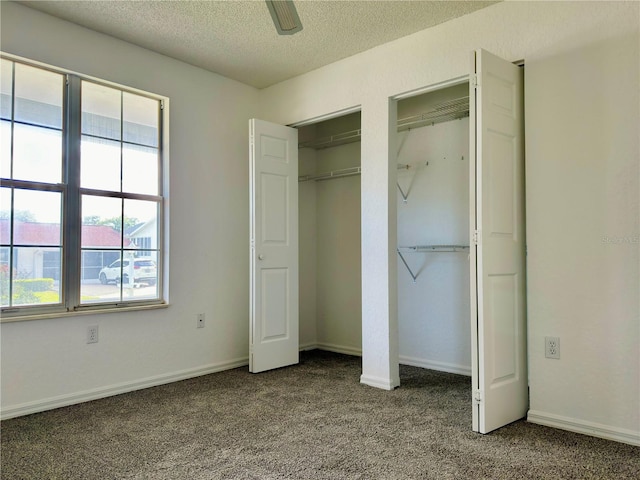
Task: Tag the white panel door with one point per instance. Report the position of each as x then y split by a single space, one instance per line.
498 310
273 175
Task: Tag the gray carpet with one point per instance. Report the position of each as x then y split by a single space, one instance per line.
310 421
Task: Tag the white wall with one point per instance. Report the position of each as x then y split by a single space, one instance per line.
47 362
582 156
583 234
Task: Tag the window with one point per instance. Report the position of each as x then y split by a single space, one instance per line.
81 194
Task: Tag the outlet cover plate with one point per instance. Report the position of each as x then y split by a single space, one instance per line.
552 347
92 334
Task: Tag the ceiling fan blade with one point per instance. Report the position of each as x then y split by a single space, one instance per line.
285 17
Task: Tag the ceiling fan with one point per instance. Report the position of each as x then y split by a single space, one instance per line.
285 17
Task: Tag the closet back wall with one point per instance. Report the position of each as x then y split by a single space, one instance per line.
329 219
433 312
339 293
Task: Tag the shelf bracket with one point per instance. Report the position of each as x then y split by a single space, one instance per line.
414 276
404 195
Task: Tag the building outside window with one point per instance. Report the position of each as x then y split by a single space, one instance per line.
81 169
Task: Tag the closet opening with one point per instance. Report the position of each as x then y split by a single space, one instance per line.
329 220
433 230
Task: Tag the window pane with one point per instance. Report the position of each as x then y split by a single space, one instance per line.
5 149
101 107
30 286
101 272
141 219
6 88
5 215
140 170
116 280
37 154
5 276
37 217
101 222
38 96
100 164
141 116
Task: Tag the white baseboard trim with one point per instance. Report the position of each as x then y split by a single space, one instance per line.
378 382
433 365
303 347
28 408
587 428
330 347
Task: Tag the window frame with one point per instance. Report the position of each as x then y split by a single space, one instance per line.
71 221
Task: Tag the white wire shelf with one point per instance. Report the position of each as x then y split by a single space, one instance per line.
428 249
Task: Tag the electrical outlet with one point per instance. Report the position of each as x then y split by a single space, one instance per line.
200 321
92 334
552 347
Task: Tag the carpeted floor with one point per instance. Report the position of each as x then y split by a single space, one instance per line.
310 421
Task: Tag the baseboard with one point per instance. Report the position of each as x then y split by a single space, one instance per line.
117 389
433 365
587 428
378 382
303 347
330 347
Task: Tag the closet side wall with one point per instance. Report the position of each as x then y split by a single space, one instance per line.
433 312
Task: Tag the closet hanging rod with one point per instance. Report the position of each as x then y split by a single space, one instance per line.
344 172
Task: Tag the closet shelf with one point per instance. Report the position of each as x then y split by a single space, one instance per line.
442 112
344 172
427 249
333 140
435 248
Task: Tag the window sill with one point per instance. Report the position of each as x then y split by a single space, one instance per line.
80 313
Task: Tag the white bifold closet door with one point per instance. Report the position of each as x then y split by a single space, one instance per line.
498 323
273 178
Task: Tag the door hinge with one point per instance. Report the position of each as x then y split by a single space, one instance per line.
477 396
476 237
475 80
161 104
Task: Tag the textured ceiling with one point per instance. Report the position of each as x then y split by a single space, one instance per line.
237 39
